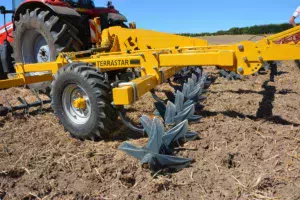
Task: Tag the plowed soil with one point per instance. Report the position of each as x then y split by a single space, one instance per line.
248 149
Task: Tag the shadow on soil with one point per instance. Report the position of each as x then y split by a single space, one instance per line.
265 110
124 133
22 115
241 91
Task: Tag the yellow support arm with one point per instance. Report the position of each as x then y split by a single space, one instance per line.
138 39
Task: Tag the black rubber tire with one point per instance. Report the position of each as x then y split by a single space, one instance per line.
59 34
103 115
297 62
2 73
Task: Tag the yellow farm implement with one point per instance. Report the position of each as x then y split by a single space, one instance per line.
157 57
89 88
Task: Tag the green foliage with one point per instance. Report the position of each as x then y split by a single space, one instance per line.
252 30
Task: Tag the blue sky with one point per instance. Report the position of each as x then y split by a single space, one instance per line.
177 16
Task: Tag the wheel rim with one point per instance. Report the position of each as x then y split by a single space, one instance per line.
76 115
35 48
41 50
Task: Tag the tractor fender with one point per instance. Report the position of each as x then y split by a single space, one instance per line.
116 17
60 10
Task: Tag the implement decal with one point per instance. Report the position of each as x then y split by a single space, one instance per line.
114 62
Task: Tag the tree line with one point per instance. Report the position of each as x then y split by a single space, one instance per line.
252 30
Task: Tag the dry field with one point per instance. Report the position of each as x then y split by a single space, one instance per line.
248 148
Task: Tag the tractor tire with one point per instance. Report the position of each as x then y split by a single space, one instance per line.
96 120
297 62
40 35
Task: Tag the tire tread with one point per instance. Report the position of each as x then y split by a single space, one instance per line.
101 90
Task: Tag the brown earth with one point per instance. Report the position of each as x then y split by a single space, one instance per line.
249 149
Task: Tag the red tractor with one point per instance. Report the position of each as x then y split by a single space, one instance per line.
41 29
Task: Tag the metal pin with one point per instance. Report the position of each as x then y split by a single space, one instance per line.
241 47
240 70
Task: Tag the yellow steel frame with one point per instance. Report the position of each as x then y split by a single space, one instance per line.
159 56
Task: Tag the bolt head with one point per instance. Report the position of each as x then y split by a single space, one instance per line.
241 47
245 59
240 70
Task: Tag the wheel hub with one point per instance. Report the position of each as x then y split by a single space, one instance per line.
43 54
76 104
79 103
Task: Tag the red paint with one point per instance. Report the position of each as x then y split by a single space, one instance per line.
3 33
50 2
97 11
